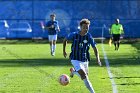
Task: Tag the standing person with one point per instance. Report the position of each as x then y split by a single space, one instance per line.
116 31
79 55
53 28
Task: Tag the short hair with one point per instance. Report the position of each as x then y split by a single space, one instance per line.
84 21
117 19
52 15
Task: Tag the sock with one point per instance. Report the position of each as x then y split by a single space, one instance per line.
54 47
115 45
51 47
118 44
88 85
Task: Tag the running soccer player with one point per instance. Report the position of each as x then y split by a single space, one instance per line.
80 56
53 28
116 31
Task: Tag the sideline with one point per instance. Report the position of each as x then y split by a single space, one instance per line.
107 64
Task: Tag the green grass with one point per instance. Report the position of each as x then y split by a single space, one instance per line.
29 68
125 66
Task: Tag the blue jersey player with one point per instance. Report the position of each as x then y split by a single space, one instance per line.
53 28
79 55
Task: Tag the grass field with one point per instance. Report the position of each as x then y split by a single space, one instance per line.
29 68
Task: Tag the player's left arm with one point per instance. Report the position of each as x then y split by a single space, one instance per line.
68 37
57 27
64 47
97 55
93 44
122 30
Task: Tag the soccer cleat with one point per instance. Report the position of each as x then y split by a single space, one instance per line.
72 72
53 53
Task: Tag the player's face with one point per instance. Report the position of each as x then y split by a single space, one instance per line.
52 18
85 28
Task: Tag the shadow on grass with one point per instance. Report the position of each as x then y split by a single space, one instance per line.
34 62
126 77
124 61
137 46
27 41
123 77
64 62
37 62
128 84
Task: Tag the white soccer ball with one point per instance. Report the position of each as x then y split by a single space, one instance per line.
64 79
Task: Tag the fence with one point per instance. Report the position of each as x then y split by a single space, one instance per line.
30 13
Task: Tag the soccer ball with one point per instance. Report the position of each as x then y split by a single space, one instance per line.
64 79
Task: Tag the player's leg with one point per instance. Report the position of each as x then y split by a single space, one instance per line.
51 43
118 41
87 83
115 41
80 71
51 47
74 70
85 64
115 44
54 43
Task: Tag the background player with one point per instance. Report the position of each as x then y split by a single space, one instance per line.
53 29
116 31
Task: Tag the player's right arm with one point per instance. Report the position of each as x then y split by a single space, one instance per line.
64 47
69 37
48 26
110 31
122 30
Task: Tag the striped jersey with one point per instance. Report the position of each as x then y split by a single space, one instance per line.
80 46
52 31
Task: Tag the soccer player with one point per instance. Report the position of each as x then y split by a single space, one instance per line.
116 31
53 28
80 56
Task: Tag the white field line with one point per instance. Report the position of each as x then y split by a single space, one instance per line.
107 65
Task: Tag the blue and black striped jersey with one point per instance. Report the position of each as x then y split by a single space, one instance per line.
80 46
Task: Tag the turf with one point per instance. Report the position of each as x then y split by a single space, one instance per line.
29 68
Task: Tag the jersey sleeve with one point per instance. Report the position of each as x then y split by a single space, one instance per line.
92 42
70 36
47 24
122 31
57 25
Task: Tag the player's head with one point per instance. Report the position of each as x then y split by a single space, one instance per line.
84 25
117 21
52 16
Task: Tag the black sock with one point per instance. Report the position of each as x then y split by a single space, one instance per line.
118 44
115 45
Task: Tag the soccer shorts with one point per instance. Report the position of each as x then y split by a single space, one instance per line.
52 37
80 65
116 37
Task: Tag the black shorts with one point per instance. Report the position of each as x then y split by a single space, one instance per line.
116 37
